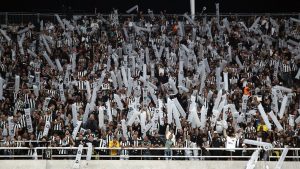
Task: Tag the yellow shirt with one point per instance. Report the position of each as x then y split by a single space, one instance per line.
264 127
113 144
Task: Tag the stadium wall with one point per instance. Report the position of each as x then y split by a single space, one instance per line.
113 164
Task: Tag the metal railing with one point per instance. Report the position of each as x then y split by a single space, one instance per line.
143 153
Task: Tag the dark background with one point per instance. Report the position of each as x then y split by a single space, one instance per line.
171 6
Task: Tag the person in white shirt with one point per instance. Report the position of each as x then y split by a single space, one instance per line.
231 140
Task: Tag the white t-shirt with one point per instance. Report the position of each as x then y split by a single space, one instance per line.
230 143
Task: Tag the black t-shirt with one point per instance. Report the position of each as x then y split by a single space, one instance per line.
216 142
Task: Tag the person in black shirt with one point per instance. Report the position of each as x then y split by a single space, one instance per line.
156 143
216 143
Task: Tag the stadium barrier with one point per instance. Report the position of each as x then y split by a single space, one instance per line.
110 164
230 155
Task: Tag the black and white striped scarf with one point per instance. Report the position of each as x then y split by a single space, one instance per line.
81 85
286 68
51 93
47 117
81 74
57 127
22 121
29 102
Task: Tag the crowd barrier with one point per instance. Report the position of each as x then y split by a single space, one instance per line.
201 155
110 164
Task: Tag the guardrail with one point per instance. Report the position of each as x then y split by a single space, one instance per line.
144 153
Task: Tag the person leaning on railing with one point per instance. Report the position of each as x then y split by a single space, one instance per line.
169 144
146 143
114 144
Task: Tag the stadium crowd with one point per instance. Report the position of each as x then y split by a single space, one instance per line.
150 81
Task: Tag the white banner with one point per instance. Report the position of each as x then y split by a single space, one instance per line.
214 118
226 87
160 112
281 159
76 129
275 120
76 164
119 79
218 78
60 21
17 84
147 55
101 117
244 103
67 77
292 120
86 113
88 90
28 120
62 93
173 86
1 88
46 128
129 88
297 120
266 146
133 117
283 106
89 151
124 128
253 160
118 101
46 103
179 107
5 35
207 68
152 70
238 61
283 89
274 105
298 74
217 100
38 79
59 67
124 75
276 69
49 60
94 95
31 53
203 78
11 126
189 19
145 95
264 116
176 117
73 60
203 112
46 45
196 121
35 90
108 111
114 79
143 121
169 110
153 96
74 114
